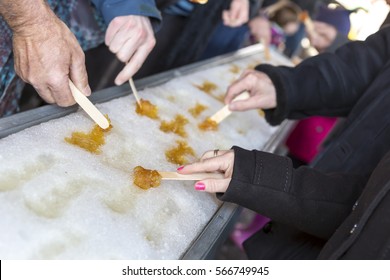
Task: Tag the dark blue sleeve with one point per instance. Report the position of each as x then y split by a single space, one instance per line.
114 8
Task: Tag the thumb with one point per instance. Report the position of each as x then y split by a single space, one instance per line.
243 105
78 74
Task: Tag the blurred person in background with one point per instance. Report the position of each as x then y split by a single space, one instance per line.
331 28
188 29
274 23
232 32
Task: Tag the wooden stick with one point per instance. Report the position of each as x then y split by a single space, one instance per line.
135 92
267 53
225 112
307 21
88 107
166 175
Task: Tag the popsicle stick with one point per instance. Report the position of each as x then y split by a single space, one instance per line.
88 107
166 175
135 92
307 21
267 52
225 112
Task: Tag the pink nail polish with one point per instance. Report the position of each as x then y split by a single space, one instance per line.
180 168
200 186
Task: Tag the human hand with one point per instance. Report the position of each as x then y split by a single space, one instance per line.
260 29
131 38
323 36
47 55
260 87
222 162
237 15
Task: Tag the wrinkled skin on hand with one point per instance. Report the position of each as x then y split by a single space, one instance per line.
223 162
46 55
131 39
260 87
237 15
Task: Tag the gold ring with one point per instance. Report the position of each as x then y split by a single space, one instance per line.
216 152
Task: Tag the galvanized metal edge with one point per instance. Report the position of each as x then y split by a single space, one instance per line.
219 227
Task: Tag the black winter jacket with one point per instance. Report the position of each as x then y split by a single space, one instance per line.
353 83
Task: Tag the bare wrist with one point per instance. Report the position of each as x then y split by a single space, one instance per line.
23 16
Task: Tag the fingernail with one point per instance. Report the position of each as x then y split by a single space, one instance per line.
232 106
87 91
200 186
118 82
180 168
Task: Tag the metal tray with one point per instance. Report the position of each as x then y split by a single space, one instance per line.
218 228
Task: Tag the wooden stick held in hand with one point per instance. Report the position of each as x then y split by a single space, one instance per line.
267 52
307 21
225 112
166 175
135 92
88 107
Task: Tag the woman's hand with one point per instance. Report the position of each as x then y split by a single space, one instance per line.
212 161
260 87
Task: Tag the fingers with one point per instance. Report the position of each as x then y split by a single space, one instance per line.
133 66
213 153
222 162
237 87
260 87
60 91
237 15
48 59
78 73
253 102
226 17
213 186
207 165
131 38
260 28
112 39
45 94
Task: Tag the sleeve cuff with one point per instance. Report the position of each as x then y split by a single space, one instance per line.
260 180
112 9
277 115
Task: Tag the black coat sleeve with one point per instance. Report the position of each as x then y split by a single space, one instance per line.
327 84
305 198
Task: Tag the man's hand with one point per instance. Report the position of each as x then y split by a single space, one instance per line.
260 87
237 15
46 53
131 38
